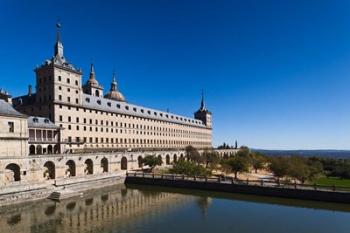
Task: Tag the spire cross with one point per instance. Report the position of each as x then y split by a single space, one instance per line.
58 28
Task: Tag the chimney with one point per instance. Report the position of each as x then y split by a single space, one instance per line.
30 90
4 95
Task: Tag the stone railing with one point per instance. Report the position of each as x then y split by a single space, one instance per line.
231 180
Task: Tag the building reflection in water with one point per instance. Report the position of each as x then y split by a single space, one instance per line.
102 211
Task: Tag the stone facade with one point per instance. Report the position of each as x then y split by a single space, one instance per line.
13 132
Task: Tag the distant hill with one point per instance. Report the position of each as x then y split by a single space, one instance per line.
307 153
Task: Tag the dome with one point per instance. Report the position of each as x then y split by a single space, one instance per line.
93 82
115 95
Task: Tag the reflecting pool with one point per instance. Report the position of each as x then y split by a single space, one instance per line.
154 209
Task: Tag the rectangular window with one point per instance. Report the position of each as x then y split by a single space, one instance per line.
11 127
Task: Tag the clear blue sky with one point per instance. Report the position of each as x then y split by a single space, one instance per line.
276 74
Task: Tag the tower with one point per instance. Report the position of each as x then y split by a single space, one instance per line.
92 87
203 114
57 83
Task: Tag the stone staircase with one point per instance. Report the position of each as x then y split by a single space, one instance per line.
63 193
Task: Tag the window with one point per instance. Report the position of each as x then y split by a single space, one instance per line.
68 80
87 100
76 82
59 78
11 127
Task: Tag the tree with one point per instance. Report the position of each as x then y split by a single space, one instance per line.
257 161
298 168
243 152
238 164
152 161
279 167
211 159
189 168
316 168
193 155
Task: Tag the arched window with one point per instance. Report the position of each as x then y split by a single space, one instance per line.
15 171
70 171
39 150
124 163
49 149
32 150
49 171
89 167
167 160
104 165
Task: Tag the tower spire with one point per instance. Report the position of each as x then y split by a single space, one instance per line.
202 102
58 44
92 72
114 82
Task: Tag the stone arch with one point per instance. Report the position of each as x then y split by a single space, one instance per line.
89 167
97 93
104 164
71 170
140 162
56 149
15 171
124 163
32 150
49 149
182 157
49 172
39 150
175 158
167 159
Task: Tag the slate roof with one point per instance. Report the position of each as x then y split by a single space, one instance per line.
41 122
6 109
108 105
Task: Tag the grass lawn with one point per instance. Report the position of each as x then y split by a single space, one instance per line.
330 181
